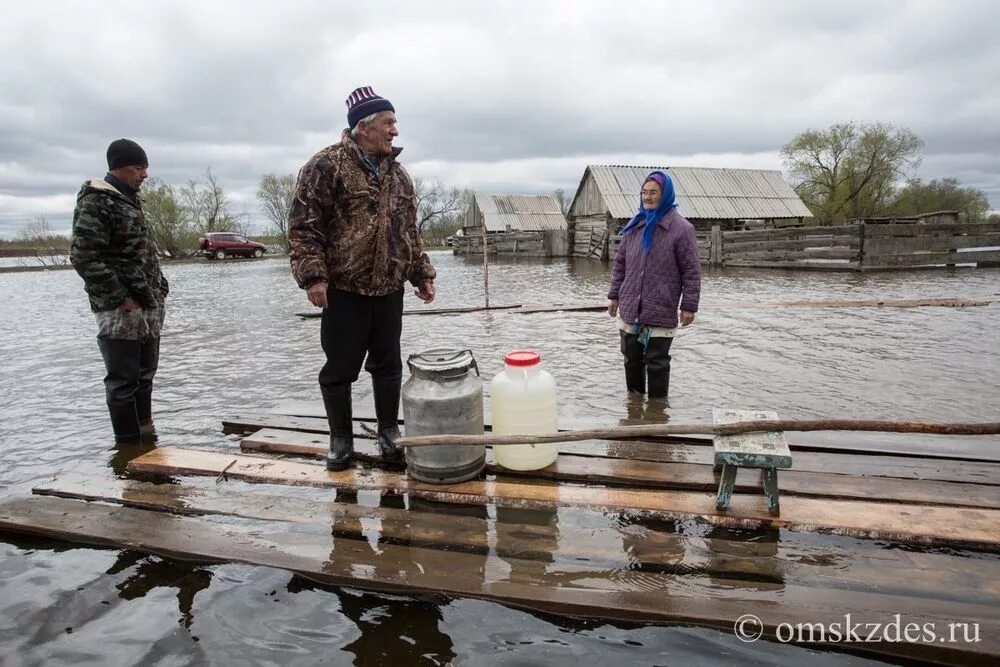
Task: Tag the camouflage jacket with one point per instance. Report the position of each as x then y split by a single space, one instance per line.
354 228
112 251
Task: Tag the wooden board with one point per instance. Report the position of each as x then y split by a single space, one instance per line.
624 543
840 463
973 528
874 231
787 234
677 475
578 591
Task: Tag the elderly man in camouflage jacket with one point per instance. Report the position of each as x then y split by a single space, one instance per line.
354 244
112 252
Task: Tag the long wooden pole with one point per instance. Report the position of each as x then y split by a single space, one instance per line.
656 430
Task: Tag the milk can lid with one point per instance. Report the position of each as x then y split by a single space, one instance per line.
522 358
443 360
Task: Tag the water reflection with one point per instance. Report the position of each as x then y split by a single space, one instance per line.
640 409
151 572
125 452
526 539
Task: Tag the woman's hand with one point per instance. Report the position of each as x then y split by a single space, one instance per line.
687 317
613 307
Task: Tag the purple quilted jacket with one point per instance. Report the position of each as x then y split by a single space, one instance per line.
650 287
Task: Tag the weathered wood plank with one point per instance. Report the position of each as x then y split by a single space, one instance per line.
793 264
579 458
943 243
884 258
579 591
688 476
792 255
976 528
876 231
790 233
794 244
626 544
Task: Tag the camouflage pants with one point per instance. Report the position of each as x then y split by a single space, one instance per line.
139 324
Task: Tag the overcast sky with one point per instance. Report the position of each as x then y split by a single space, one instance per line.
514 97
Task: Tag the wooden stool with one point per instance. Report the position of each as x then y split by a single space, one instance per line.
765 450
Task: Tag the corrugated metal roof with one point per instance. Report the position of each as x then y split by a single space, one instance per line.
526 213
704 192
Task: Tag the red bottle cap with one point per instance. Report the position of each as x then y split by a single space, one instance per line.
522 358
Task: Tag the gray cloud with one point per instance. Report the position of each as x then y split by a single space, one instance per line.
505 97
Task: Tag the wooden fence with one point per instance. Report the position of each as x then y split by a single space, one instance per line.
859 247
524 244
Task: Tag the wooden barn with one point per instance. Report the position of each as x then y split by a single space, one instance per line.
526 225
608 197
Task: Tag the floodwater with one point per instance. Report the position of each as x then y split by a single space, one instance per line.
233 344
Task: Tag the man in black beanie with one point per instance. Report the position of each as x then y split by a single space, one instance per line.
114 254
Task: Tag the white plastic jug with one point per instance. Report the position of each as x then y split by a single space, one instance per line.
523 398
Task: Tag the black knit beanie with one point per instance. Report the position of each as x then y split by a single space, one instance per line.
125 153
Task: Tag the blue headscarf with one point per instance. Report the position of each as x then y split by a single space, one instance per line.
651 217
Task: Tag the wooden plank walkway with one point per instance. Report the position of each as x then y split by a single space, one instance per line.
607 543
926 524
579 589
691 476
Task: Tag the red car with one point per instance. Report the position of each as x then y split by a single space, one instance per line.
219 245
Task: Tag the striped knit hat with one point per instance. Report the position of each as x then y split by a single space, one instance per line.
363 102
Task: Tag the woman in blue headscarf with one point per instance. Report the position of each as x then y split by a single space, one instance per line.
656 271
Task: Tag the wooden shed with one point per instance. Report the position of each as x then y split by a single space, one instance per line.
526 225
931 218
608 197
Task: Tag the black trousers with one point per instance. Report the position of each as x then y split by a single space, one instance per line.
128 385
652 361
354 326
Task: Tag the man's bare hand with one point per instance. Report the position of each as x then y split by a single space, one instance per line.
687 317
317 295
426 292
613 307
130 304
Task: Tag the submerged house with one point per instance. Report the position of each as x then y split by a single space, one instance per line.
608 197
526 225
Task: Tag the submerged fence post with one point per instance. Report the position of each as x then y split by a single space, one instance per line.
861 247
715 246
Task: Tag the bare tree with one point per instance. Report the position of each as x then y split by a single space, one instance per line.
207 203
560 196
434 201
47 247
275 195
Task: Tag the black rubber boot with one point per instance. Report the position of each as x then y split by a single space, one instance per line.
149 358
658 366
125 422
121 360
635 363
337 402
387 414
